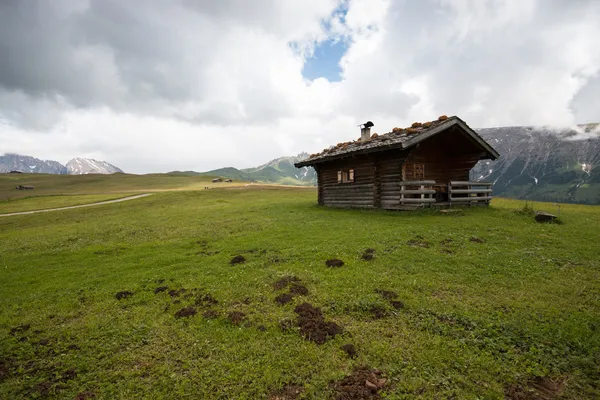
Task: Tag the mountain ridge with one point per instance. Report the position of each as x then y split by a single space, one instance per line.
76 166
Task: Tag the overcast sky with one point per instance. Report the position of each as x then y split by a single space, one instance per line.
162 85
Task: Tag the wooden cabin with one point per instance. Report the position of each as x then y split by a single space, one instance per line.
425 165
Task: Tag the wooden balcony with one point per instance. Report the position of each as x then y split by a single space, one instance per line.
419 194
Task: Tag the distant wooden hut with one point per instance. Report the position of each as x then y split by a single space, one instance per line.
427 164
24 187
217 180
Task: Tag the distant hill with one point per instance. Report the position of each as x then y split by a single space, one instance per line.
280 171
77 166
539 163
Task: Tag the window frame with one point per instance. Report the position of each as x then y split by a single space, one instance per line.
346 175
413 169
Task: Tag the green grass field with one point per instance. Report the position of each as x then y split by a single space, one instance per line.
490 304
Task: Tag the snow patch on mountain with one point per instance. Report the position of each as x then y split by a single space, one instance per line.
83 166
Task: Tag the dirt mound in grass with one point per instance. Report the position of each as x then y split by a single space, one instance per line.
364 383
236 317
334 263
313 326
285 281
289 392
298 290
377 311
446 242
206 300
237 260
20 329
538 388
123 295
177 293
210 314
418 242
350 350
161 289
397 304
283 298
54 383
476 240
185 312
368 255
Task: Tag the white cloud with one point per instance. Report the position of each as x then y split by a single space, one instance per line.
199 84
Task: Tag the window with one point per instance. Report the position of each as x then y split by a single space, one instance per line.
413 172
345 176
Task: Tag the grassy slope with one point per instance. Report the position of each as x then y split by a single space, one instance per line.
523 303
47 184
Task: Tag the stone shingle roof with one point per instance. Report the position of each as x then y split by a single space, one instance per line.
397 138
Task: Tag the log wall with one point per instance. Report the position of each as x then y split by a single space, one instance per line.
359 193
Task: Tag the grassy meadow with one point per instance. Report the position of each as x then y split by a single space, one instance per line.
478 304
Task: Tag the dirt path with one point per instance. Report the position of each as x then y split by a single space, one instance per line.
79 206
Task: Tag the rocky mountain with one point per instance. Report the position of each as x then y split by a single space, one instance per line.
32 165
280 171
82 166
541 163
16 162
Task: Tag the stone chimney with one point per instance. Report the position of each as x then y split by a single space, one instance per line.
365 134
365 131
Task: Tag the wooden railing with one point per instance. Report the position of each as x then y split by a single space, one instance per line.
417 192
465 192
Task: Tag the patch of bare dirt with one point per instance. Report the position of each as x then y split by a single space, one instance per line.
368 255
364 383
334 263
446 242
206 300
20 329
538 388
397 304
378 311
177 293
476 240
237 260
123 295
236 317
313 326
295 289
289 392
185 312
284 298
418 242
210 314
85 396
298 290
285 281
161 289
350 350
55 382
